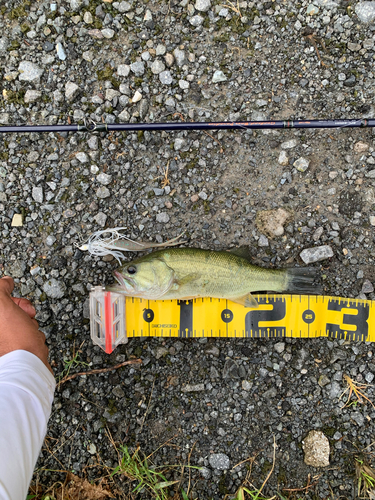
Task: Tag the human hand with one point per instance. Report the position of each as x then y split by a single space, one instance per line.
18 328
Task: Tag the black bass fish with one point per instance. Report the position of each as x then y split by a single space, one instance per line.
187 273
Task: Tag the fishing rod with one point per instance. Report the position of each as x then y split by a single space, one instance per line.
91 126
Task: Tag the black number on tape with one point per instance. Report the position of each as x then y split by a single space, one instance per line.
186 318
227 315
148 315
308 316
358 319
277 313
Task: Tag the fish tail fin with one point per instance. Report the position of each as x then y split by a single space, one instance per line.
303 280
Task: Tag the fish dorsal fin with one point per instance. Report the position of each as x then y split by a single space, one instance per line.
247 301
243 252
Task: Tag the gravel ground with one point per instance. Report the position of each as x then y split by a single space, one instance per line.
158 61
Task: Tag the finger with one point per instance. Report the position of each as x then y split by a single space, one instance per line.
34 321
25 305
6 285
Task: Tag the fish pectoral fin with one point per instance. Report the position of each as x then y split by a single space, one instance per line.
247 301
189 278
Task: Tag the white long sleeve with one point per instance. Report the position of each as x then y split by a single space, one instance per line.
26 395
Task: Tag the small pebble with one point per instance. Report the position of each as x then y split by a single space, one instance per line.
219 77
162 217
60 51
29 72
367 287
301 164
316 254
292 143
17 220
103 192
219 461
165 77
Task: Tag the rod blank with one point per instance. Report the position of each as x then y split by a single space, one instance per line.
132 127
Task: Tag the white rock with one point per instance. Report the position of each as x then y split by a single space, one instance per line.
315 254
160 50
180 57
193 388
289 144
365 11
108 33
138 68
124 7
179 144
37 194
137 97
279 347
246 385
162 217
82 157
4 118
202 5
92 449
17 220
367 287
104 178
87 17
316 449
50 240
301 164
71 91
196 21
101 219
219 77
361 147
75 5
111 94
32 95
123 70
124 116
283 159
327 4
183 84
60 51
169 59
312 10
372 220
263 241
54 289
29 72
103 192
148 15
157 67
165 77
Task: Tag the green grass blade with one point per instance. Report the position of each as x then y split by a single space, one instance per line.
184 495
165 484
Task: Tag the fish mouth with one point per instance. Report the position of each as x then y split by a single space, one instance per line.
122 281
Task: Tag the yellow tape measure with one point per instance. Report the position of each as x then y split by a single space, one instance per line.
298 316
114 318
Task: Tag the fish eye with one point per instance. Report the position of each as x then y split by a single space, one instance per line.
132 269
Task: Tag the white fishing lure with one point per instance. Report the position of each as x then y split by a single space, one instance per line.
112 242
